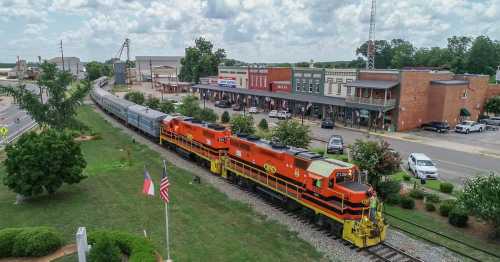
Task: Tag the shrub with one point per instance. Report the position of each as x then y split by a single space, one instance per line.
406 177
417 194
28 242
432 198
393 199
225 118
136 97
105 250
446 187
137 248
388 187
263 124
430 207
458 217
446 206
407 202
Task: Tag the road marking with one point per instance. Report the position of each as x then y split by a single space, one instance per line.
461 165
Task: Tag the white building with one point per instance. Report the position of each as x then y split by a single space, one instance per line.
233 76
143 65
336 80
71 64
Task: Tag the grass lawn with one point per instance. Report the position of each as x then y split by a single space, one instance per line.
205 224
427 220
431 184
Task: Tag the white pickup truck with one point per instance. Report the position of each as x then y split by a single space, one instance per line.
469 126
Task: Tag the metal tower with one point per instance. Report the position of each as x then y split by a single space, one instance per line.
125 45
370 63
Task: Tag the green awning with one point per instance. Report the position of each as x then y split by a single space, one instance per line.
464 112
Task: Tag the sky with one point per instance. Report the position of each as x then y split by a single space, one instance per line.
249 30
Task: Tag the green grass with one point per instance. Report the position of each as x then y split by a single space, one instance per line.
205 224
424 219
430 184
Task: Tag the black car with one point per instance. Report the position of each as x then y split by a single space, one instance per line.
440 127
222 104
327 123
237 107
335 145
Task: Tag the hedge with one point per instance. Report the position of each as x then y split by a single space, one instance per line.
138 249
407 202
393 199
458 217
446 187
417 194
432 198
430 207
446 206
387 188
29 241
105 250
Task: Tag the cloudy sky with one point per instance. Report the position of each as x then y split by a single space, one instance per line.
250 30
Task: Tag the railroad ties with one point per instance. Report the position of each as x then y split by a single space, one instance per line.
386 252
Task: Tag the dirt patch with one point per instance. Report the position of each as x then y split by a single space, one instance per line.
85 138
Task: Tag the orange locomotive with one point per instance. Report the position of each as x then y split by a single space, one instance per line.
329 190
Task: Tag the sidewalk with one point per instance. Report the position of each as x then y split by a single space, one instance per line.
420 139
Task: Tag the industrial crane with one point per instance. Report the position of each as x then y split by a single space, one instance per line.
118 56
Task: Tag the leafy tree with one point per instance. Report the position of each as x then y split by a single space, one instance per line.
376 158
302 64
59 110
189 106
153 102
225 118
458 48
206 114
492 105
402 53
95 70
200 61
43 162
482 56
263 124
242 124
481 197
291 133
136 97
383 54
167 107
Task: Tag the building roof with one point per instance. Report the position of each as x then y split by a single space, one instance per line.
326 100
159 58
450 82
375 84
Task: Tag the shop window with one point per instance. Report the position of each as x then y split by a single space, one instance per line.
348 91
310 87
330 87
318 87
338 80
339 89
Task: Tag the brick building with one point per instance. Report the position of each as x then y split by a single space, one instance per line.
234 76
264 78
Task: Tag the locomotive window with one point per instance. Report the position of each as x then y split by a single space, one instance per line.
317 182
330 183
300 163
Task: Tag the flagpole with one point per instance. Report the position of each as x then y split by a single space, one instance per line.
166 222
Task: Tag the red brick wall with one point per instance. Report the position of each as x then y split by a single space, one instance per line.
258 79
493 90
378 76
280 74
281 87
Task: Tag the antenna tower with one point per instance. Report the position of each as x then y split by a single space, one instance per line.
370 63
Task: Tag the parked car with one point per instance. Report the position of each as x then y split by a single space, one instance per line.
327 123
273 113
253 110
237 107
335 145
284 114
493 121
469 126
421 166
440 127
222 104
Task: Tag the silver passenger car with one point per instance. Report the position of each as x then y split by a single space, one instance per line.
117 106
145 119
98 94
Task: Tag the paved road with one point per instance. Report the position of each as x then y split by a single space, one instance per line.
454 166
15 119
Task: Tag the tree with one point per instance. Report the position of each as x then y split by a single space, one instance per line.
43 162
492 105
376 158
242 124
481 197
383 54
263 124
136 97
482 57
458 48
189 106
153 102
206 114
167 107
225 118
59 109
402 53
291 133
302 64
200 61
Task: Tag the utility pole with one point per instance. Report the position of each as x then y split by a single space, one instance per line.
370 52
62 55
151 72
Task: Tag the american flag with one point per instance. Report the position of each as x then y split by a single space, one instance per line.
164 184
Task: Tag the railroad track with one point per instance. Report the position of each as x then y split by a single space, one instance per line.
386 252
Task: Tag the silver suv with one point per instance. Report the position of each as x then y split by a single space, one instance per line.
492 121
